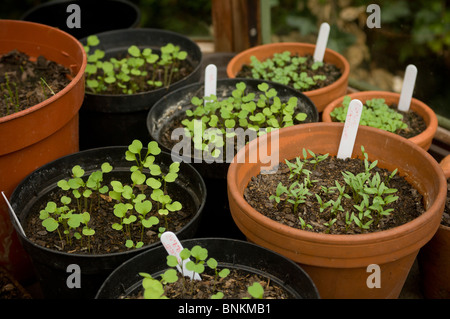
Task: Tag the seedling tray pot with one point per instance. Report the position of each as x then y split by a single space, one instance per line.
434 259
95 16
107 119
51 265
173 106
320 97
424 139
41 133
338 263
230 253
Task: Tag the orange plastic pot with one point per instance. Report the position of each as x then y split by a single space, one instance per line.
434 257
423 139
41 133
338 264
320 97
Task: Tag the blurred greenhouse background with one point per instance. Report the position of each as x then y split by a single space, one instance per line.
416 32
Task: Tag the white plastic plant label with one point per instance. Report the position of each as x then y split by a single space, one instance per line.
14 214
350 129
406 94
210 80
173 247
322 42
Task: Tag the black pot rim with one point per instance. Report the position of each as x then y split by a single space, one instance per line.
186 242
96 256
53 2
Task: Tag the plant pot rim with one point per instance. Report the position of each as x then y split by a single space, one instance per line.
56 2
148 30
42 28
238 264
447 176
417 106
123 253
335 239
284 46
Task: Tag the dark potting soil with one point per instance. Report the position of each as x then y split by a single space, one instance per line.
408 207
416 124
331 71
10 288
233 286
107 240
25 82
446 215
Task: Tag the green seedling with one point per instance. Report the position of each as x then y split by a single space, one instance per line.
348 220
376 113
316 159
10 95
365 192
71 223
213 124
303 224
44 83
200 256
329 224
83 190
322 205
297 194
286 69
141 70
256 290
74 218
281 189
133 205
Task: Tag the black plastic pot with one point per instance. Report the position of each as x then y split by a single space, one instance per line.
51 265
230 253
173 106
106 119
96 16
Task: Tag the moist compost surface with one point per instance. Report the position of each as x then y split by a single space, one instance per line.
25 82
446 215
233 286
408 207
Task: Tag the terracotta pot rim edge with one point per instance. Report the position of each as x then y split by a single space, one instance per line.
342 79
74 82
325 238
415 103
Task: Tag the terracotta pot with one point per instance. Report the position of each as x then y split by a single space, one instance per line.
445 163
424 139
434 258
41 133
338 264
320 97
